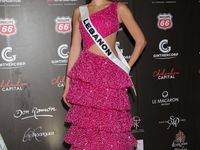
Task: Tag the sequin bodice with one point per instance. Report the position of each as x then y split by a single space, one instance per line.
105 21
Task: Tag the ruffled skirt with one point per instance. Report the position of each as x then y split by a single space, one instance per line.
99 114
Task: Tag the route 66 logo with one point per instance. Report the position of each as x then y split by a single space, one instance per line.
63 24
164 21
7 27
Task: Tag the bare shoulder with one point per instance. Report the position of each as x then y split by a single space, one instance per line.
123 12
76 11
76 15
121 7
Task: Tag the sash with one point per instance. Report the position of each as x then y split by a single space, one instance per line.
101 43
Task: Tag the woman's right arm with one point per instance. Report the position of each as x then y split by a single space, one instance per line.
74 52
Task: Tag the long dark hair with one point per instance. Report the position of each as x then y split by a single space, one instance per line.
88 1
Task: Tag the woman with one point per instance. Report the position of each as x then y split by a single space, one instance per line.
95 87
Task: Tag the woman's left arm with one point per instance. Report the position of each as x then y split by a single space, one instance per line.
125 16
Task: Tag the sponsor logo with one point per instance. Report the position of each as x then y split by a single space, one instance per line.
165 21
61 2
13 3
10 1
59 81
34 113
2 144
140 145
63 24
165 100
63 52
7 27
8 86
10 59
136 125
173 121
4 54
165 49
117 45
180 141
163 1
36 134
161 75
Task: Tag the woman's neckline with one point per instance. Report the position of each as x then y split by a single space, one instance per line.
101 9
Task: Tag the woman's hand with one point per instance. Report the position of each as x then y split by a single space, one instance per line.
64 96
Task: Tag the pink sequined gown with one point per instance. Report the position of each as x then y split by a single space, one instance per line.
99 114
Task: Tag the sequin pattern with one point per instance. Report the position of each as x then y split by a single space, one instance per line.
105 21
99 114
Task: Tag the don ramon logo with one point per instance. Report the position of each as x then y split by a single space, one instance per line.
34 113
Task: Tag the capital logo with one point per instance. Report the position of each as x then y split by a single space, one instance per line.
59 81
173 121
8 86
180 141
163 74
165 21
165 100
4 54
136 125
7 26
63 24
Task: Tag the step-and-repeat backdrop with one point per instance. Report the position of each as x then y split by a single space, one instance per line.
35 40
